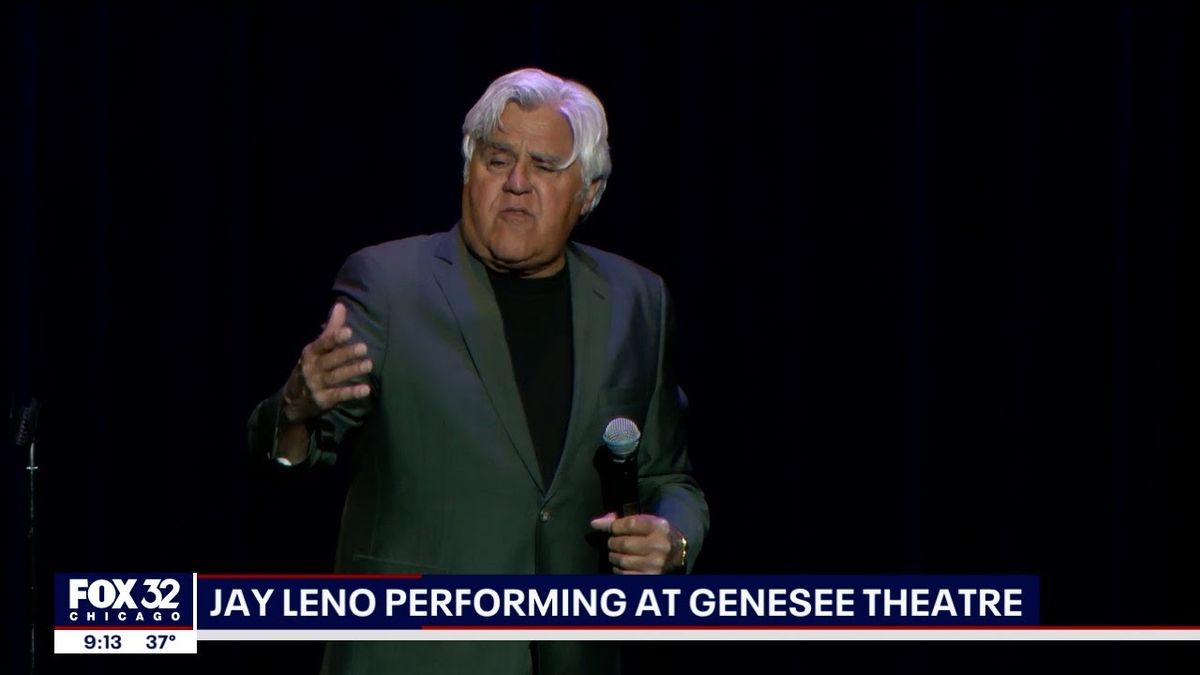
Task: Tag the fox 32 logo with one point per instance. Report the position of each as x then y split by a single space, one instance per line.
117 601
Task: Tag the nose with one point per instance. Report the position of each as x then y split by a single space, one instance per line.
517 181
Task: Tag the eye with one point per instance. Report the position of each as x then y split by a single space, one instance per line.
498 162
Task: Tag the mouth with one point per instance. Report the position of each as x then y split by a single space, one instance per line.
515 212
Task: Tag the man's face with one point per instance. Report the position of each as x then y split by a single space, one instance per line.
518 206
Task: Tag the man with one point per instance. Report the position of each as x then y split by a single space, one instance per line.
469 376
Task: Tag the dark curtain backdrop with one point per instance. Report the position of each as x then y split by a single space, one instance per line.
929 262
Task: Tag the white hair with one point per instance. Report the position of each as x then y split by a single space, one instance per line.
531 88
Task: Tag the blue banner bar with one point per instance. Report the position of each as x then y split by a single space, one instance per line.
414 602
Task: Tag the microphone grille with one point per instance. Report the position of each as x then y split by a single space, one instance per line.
622 436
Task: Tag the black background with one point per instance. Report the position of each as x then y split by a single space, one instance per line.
928 261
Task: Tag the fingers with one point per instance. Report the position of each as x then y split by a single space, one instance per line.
343 374
344 354
640 524
623 563
330 361
330 397
337 319
327 341
337 367
343 394
639 555
335 332
326 376
604 522
323 376
639 544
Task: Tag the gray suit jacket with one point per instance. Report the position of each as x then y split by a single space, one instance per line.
445 478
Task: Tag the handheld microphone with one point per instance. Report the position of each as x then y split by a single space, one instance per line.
622 437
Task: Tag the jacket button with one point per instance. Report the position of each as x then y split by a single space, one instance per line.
544 515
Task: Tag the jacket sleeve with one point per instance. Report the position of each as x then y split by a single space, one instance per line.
665 480
359 286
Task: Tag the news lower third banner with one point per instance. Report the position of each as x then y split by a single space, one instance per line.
170 613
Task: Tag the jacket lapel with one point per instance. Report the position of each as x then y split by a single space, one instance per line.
590 324
464 282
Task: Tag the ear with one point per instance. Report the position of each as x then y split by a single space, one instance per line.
589 197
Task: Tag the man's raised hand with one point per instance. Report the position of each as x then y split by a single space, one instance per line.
322 377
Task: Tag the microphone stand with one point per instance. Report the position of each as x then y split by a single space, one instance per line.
24 434
32 469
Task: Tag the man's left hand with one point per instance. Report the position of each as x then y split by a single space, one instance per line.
642 544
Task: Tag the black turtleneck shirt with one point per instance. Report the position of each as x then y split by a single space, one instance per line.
537 326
